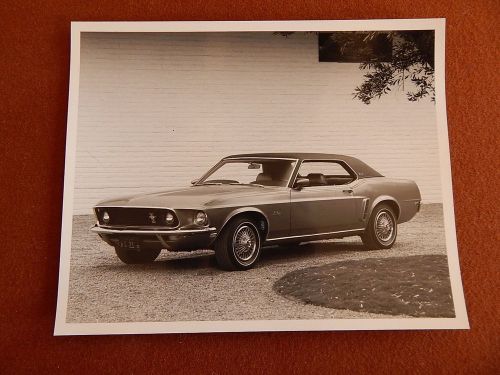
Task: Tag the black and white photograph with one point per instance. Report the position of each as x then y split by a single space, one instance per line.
258 176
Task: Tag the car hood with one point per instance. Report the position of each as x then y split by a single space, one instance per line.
193 197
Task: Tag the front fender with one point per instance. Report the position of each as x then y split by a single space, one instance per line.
241 210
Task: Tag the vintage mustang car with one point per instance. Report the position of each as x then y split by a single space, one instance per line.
251 200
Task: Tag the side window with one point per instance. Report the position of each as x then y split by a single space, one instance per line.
324 173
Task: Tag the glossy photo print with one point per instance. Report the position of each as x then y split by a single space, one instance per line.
258 176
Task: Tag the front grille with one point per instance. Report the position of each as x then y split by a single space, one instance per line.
130 216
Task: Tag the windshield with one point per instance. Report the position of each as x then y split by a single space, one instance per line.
275 172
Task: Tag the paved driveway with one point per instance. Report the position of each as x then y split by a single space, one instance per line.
188 286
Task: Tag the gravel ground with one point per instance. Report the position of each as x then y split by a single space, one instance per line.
188 286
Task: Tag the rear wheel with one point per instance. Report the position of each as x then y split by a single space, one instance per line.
382 228
238 246
133 256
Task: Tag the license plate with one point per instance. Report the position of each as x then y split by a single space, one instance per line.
129 244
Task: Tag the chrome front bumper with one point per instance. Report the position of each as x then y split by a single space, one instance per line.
172 239
100 230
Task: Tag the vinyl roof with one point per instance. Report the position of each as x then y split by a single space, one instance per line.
361 168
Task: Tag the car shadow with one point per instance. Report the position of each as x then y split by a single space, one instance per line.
204 263
177 262
283 254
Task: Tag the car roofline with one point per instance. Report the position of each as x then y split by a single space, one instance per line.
361 169
236 157
290 155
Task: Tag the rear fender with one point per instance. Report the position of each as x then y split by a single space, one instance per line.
385 198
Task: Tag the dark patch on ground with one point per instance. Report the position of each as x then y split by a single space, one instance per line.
416 286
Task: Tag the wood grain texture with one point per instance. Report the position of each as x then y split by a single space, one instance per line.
34 66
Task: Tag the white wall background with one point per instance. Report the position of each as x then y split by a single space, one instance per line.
157 110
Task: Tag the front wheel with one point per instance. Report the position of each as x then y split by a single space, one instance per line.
238 246
133 256
382 228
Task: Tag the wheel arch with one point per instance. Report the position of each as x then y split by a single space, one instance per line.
391 201
260 218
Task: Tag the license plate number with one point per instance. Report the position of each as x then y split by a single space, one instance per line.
129 244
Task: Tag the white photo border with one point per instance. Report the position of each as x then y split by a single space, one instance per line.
438 25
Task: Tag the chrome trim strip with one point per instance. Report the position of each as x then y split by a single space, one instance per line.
295 173
97 229
364 208
297 162
316 234
314 199
136 227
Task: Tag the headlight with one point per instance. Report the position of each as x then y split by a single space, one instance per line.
201 218
169 218
105 217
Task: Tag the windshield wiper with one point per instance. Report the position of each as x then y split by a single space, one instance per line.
242 183
208 183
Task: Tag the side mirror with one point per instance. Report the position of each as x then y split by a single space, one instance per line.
193 182
301 183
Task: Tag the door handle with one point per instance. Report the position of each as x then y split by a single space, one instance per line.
348 191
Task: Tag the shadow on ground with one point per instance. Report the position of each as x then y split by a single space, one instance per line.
416 286
204 260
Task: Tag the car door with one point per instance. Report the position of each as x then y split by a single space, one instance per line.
321 208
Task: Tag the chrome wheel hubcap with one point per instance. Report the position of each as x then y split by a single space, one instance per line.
244 243
384 226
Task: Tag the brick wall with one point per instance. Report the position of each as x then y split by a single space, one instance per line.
157 110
